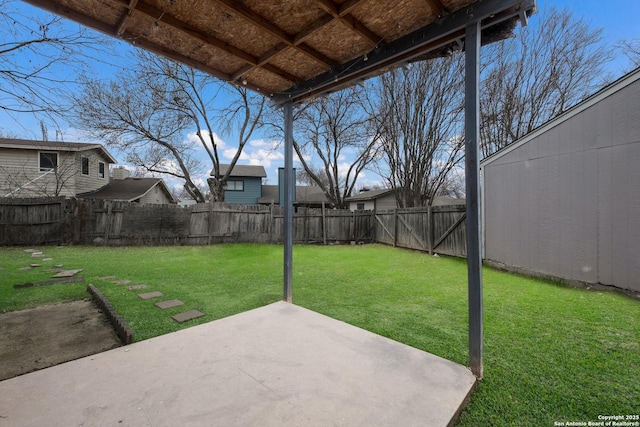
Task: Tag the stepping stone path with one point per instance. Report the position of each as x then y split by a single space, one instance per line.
163 305
169 304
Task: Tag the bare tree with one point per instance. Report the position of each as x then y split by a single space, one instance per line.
40 55
631 49
549 66
419 109
335 140
147 113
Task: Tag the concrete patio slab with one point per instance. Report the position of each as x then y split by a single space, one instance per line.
278 365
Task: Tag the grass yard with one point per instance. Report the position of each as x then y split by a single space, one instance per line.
552 354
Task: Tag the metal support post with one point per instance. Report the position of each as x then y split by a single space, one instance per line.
472 139
288 200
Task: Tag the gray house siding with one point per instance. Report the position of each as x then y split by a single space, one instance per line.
91 181
564 201
251 193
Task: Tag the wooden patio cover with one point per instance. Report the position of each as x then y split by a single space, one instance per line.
294 49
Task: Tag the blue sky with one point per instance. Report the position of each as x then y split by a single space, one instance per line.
618 18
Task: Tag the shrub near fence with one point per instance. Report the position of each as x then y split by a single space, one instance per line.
93 221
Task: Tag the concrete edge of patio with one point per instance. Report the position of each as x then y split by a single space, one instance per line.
277 365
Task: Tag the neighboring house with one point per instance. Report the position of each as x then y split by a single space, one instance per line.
306 195
563 201
145 191
46 168
373 200
386 199
244 184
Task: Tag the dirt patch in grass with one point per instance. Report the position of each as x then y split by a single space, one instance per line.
45 336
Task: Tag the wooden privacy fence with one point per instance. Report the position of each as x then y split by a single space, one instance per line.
437 229
92 221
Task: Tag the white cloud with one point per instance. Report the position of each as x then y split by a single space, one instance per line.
193 139
257 152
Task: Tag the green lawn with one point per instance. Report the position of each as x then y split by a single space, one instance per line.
551 353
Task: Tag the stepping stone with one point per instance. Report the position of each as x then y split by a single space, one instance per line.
169 304
136 287
35 265
37 254
30 250
28 267
47 259
54 270
122 282
59 266
107 277
187 315
149 295
68 273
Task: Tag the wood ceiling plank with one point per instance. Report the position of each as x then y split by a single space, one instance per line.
343 15
266 25
170 20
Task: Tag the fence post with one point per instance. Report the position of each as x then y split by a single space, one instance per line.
107 224
324 225
395 227
430 231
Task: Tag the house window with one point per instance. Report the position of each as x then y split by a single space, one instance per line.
100 170
48 161
360 206
235 185
85 166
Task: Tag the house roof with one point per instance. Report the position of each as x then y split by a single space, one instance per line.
294 50
603 93
243 171
128 189
370 195
304 194
29 144
376 194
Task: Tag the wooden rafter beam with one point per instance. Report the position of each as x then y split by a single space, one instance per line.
348 5
122 25
438 7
